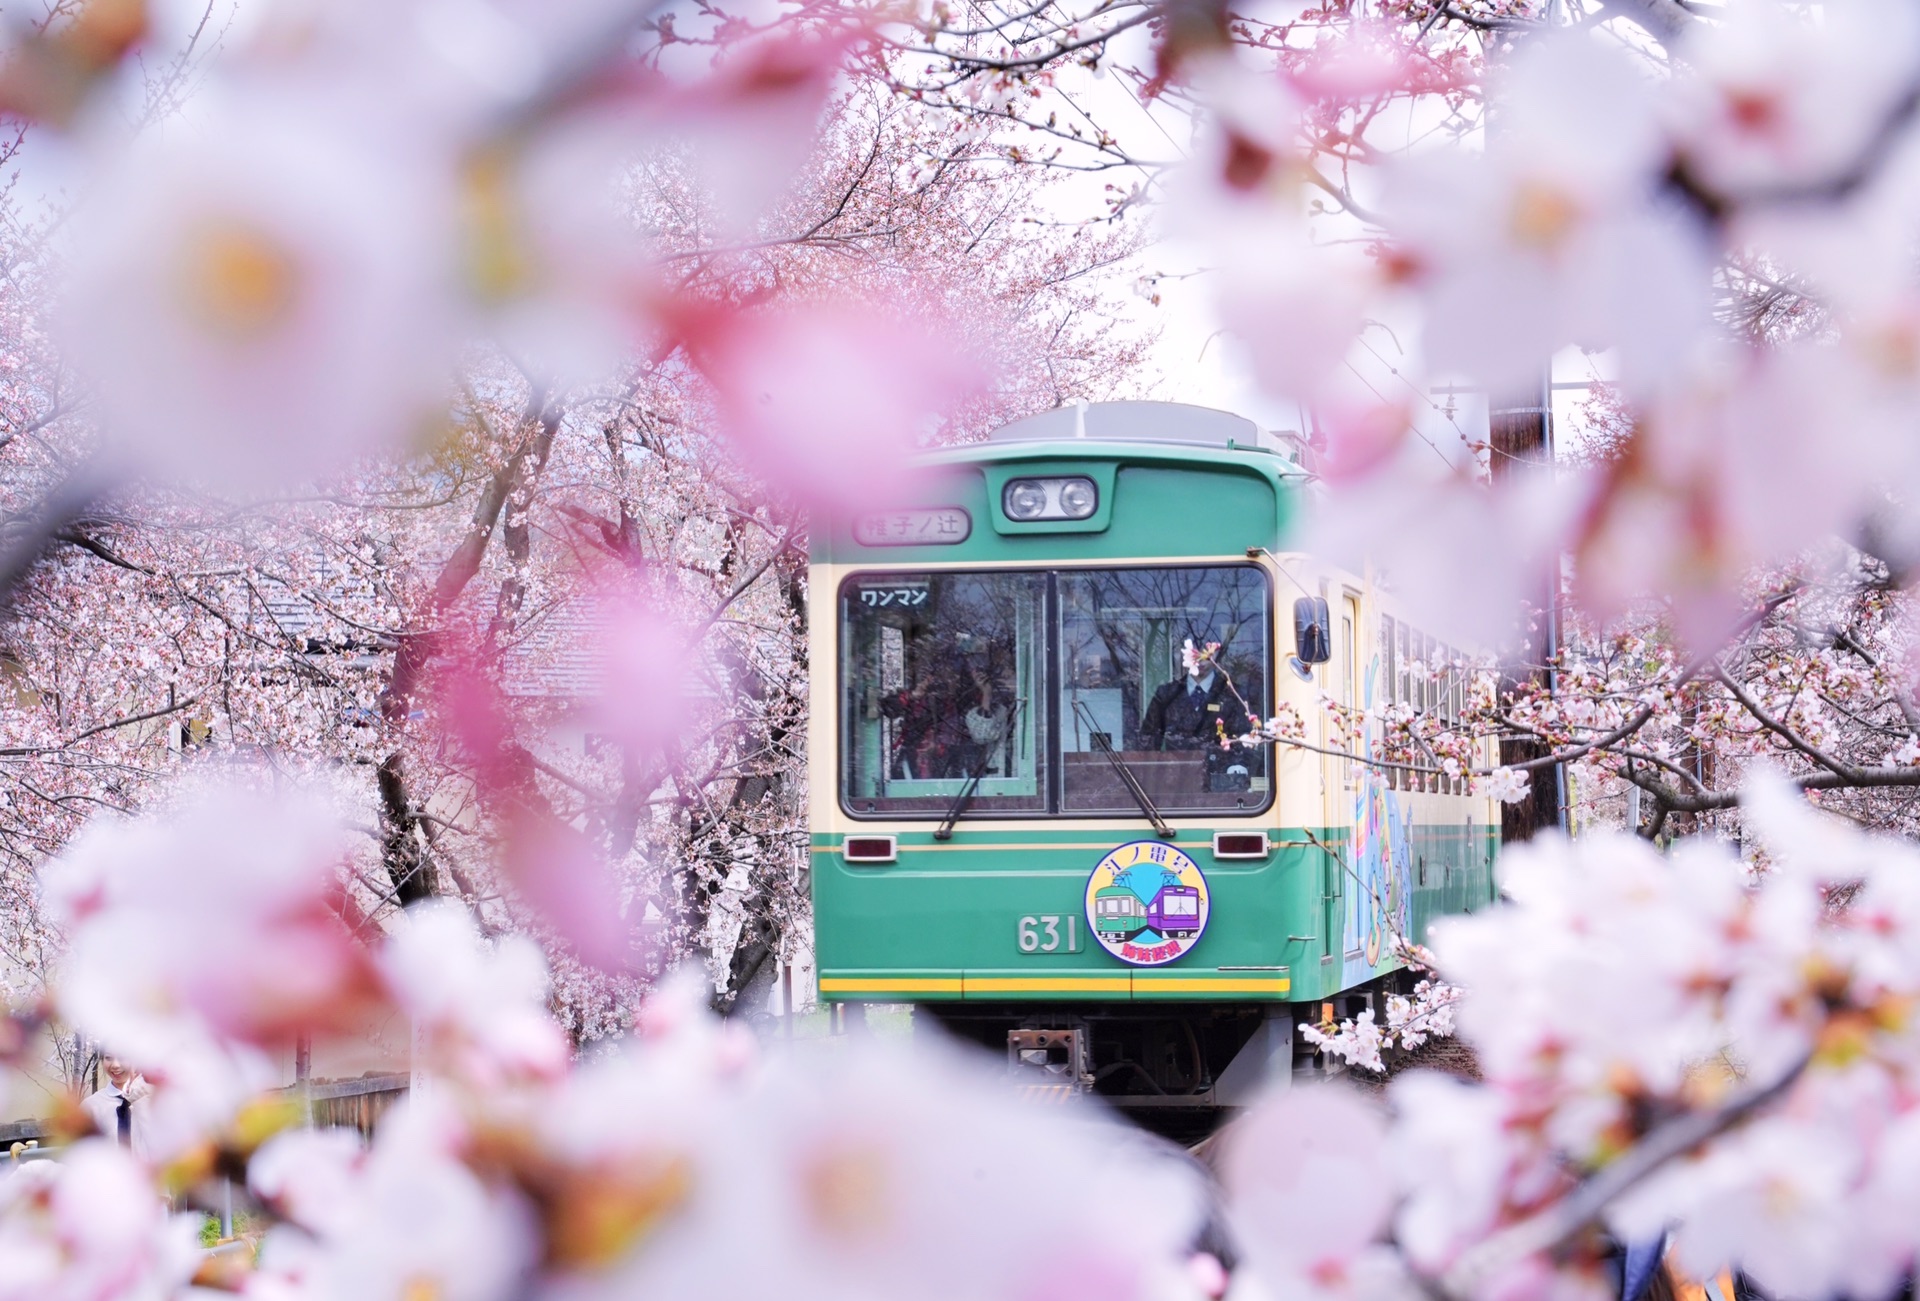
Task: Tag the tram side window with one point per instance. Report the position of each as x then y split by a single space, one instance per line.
1125 687
1387 682
1424 674
939 681
1386 658
1403 662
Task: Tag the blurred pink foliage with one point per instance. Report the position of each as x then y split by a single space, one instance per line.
828 398
297 284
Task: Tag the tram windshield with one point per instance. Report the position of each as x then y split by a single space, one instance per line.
946 681
1160 665
939 680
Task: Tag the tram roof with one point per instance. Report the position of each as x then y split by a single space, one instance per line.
1213 484
1177 430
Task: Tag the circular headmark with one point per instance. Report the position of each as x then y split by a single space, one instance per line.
1147 903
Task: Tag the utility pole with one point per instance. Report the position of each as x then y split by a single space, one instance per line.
1520 442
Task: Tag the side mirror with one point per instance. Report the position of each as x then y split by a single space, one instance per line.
1312 630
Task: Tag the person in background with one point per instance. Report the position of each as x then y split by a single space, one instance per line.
118 1109
988 697
928 714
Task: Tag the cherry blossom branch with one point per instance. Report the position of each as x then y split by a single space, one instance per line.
975 63
1779 729
1402 941
1569 1216
417 649
27 537
1664 20
1665 765
1859 778
1365 761
1342 193
14 752
1903 700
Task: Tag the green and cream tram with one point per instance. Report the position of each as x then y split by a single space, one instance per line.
1028 675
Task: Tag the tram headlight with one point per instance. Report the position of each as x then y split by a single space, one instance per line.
1026 500
1030 500
1077 498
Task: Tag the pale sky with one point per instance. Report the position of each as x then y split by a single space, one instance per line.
1198 363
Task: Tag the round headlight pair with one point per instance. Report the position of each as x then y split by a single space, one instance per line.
1031 500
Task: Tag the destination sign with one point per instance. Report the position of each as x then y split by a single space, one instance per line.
928 526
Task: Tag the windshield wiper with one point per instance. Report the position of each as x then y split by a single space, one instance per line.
1127 777
945 830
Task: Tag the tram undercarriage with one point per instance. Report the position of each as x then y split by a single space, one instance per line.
1176 1069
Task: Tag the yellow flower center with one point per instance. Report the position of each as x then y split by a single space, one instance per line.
1892 350
239 281
1542 215
846 1191
600 1216
497 254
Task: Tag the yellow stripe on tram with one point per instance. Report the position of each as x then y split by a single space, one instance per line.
1262 985
1131 983
897 985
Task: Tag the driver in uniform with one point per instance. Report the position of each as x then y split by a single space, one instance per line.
1190 713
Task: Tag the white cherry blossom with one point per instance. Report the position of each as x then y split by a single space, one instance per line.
414 1218
1549 237
1310 1179
218 913
478 1009
1775 97
91 1226
264 292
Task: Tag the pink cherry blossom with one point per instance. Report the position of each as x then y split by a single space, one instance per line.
749 124
1311 1184
478 1011
645 696
830 399
569 882
89 1227
263 293
220 912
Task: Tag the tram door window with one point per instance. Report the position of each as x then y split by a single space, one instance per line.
941 678
1403 661
1125 687
1349 693
1392 657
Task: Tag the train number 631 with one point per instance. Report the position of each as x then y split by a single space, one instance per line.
1050 933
